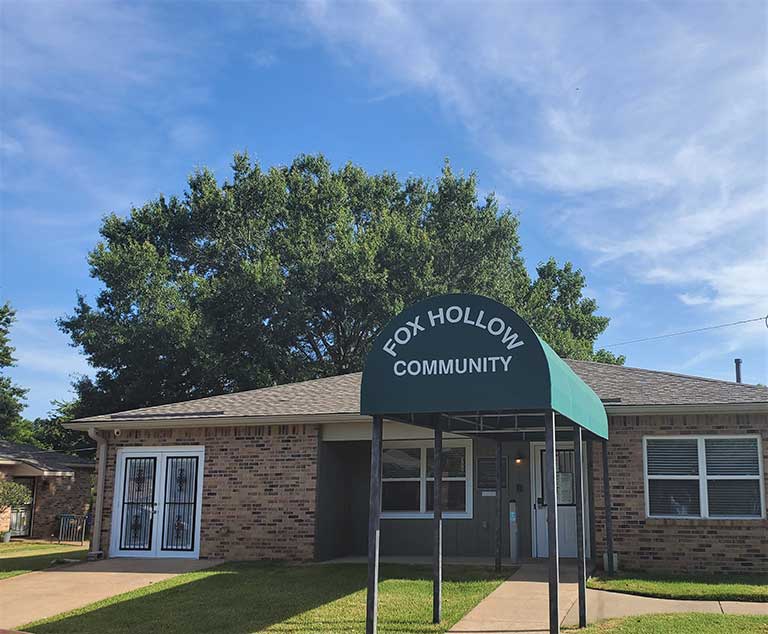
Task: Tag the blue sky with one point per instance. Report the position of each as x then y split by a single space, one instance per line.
631 138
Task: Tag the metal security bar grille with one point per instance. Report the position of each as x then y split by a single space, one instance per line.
711 477
138 504
180 504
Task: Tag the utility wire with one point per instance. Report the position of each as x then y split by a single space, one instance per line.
688 332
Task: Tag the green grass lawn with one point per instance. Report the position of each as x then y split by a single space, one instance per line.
19 557
714 588
241 598
680 624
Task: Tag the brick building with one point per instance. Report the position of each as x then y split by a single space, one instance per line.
283 473
59 483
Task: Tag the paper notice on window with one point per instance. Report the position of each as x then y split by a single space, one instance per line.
565 488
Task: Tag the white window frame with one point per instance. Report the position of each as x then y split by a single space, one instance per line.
703 478
425 477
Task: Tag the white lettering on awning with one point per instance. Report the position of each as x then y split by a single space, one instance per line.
453 316
462 365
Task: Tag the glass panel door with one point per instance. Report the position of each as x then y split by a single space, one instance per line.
180 503
138 503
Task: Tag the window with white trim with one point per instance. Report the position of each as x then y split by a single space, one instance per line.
407 485
704 476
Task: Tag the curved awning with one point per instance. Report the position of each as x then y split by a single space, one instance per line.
470 354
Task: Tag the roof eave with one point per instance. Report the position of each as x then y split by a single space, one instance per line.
217 421
616 409
612 409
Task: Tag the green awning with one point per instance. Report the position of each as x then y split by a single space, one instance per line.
573 398
469 354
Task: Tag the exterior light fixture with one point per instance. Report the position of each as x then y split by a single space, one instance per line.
519 458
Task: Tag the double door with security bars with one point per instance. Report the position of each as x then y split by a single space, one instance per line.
156 510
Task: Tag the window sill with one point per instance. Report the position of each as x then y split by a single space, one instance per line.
704 521
425 516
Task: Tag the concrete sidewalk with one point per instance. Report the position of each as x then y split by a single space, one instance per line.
38 595
520 605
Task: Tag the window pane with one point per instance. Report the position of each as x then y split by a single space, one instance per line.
454 496
674 497
401 463
674 456
732 456
400 496
486 473
734 498
454 462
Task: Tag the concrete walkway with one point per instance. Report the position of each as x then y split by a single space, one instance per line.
520 605
38 595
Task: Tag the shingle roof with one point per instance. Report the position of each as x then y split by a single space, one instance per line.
635 386
40 458
617 385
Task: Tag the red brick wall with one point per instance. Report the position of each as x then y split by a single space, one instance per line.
259 488
5 516
55 495
672 545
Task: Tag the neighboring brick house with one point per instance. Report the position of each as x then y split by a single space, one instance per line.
282 473
60 484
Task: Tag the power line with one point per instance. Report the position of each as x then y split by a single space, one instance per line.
688 332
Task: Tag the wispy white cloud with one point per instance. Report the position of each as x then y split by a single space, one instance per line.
189 134
262 58
85 53
649 121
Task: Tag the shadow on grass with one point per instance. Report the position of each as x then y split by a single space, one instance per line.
10 566
742 587
242 598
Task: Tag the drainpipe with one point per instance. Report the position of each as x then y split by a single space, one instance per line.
101 472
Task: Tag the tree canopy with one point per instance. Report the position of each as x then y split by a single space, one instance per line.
286 273
12 396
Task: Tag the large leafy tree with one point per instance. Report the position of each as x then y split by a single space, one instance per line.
49 433
12 396
287 273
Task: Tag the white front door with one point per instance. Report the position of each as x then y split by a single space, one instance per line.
566 501
156 508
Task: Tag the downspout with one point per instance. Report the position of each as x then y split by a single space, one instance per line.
101 472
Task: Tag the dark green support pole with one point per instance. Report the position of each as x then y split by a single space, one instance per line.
608 509
499 509
581 562
374 514
437 544
550 485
